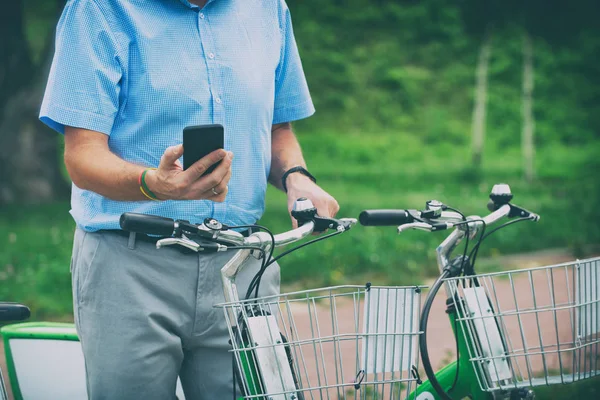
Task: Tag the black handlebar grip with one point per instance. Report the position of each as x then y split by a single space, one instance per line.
13 312
384 217
148 224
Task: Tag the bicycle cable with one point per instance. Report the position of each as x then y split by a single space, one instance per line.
468 234
264 257
485 236
273 260
466 222
423 339
473 255
457 358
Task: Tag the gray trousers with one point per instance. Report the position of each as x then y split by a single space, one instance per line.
145 316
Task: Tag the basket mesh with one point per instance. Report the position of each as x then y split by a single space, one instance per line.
532 327
345 342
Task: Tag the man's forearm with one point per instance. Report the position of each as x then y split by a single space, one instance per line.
285 154
92 166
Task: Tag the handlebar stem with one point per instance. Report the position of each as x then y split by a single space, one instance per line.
259 241
228 274
449 244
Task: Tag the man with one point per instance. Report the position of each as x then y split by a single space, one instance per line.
127 77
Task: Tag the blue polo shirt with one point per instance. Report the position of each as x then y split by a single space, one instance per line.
140 71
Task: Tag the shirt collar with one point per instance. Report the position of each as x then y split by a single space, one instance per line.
190 5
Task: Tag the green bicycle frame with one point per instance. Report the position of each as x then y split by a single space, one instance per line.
250 373
466 383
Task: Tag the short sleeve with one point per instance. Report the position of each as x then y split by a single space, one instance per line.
84 82
292 98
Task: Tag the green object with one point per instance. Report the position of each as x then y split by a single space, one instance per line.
145 187
251 375
32 330
466 384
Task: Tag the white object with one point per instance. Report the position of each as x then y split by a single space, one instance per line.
271 358
389 327
50 369
488 333
588 299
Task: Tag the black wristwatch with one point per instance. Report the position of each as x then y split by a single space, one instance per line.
302 170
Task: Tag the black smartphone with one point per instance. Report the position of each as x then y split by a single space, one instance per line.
201 140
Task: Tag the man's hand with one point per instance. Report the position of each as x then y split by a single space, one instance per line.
301 186
171 182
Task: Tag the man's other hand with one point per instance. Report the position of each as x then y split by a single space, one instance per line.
299 185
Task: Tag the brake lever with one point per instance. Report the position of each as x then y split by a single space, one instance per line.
191 244
324 223
516 211
415 225
182 241
346 223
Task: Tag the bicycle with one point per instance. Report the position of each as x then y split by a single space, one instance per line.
210 236
294 346
11 312
501 342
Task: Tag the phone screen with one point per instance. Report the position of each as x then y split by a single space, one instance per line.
201 140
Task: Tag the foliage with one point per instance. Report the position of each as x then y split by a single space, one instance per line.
393 82
409 66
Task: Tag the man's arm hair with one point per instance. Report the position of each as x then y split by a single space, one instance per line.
92 166
285 154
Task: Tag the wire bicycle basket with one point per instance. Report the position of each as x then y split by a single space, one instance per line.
343 342
531 327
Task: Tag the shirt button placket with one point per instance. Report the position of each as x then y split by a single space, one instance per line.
208 45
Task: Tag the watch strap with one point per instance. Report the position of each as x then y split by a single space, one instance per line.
302 170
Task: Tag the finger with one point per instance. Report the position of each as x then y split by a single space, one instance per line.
205 186
223 185
223 168
171 156
220 197
197 169
335 207
211 180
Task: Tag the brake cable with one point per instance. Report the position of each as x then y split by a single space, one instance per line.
423 339
273 260
462 266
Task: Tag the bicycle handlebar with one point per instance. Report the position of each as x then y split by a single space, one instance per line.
13 312
385 217
217 237
435 218
147 224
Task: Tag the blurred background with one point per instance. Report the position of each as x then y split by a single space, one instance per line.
415 100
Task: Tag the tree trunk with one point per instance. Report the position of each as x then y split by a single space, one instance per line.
528 119
479 108
29 151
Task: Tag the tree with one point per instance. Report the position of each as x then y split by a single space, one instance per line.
528 120
29 169
479 107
